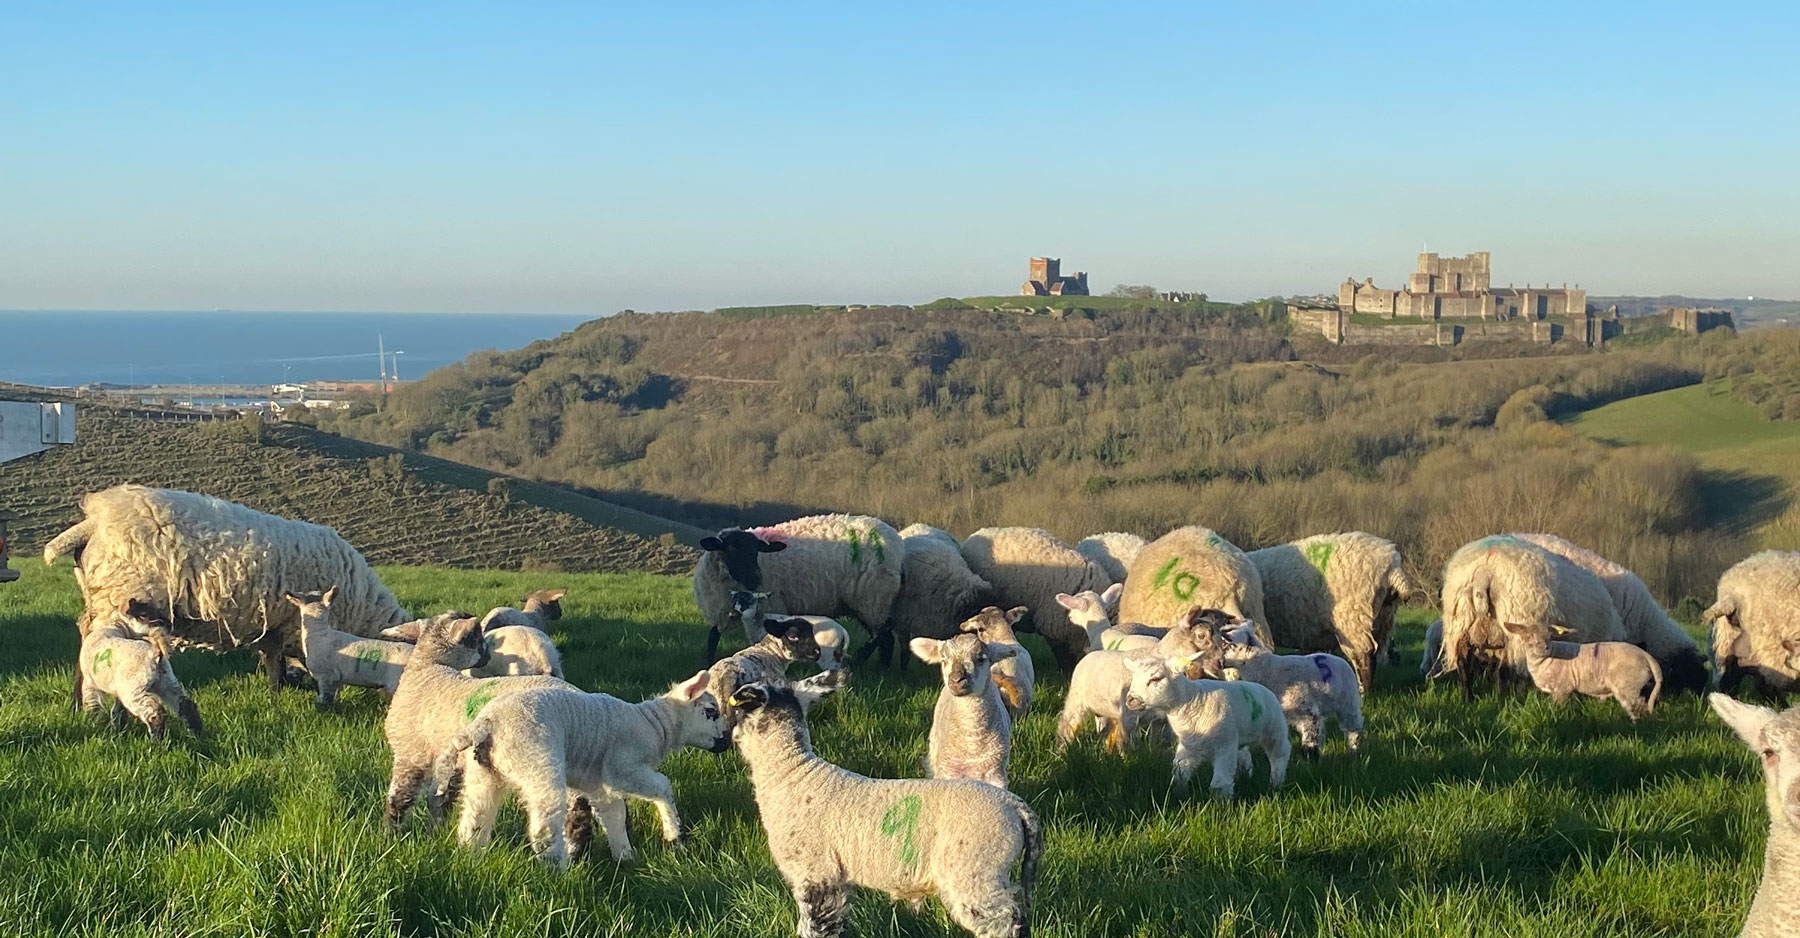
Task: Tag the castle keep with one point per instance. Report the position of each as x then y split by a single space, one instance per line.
1047 280
1459 288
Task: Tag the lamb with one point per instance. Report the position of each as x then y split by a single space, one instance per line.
1775 913
1029 567
1113 552
1334 593
1622 671
1193 568
831 637
216 570
789 639
1092 612
1312 688
830 829
937 590
513 650
1097 688
971 731
825 565
1015 676
549 742
1213 721
540 609
1645 623
119 661
1758 608
338 659
1429 663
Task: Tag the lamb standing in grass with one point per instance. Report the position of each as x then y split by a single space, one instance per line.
971 731
831 829
788 639
1622 671
1092 612
938 589
1193 568
1312 688
1113 552
1776 738
1758 608
118 660
1015 676
1334 593
1214 721
1029 567
1098 686
338 659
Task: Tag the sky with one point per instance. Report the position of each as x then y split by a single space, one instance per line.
589 157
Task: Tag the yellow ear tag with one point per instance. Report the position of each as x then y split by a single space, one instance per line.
1231 674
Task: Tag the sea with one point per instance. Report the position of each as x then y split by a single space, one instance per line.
66 349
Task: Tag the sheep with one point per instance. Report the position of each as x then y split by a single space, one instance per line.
1213 721
1429 664
1645 623
1622 671
825 565
971 730
1092 612
338 659
937 590
1503 579
132 667
513 650
216 570
1113 552
831 829
1029 567
1015 676
1193 568
787 640
831 637
1334 593
1758 608
1097 688
549 742
540 608
1775 912
433 702
1311 688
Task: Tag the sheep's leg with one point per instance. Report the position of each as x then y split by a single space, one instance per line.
273 662
482 794
824 908
614 820
990 911
116 716
1278 750
1312 731
1225 763
446 788
712 646
578 829
1187 758
654 787
328 693
547 813
1067 725
1117 739
403 790
88 698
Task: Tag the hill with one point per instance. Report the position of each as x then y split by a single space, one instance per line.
396 508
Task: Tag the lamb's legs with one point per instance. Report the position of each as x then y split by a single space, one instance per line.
1187 758
614 821
1312 732
824 908
403 790
482 793
578 830
547 814
712 647
990 912
1226 760
1278 751
654 787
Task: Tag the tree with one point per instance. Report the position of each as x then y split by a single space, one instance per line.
1137 292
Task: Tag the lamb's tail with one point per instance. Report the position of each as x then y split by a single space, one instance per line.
447 768
1656 678
69 542
1402 585
1028 865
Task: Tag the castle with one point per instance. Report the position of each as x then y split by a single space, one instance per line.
1459 288
1047 280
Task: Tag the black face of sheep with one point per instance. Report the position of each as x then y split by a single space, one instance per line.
796 636
739 549
549 602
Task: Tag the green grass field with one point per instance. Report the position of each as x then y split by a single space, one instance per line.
1518 818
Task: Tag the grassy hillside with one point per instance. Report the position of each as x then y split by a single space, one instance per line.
1515 819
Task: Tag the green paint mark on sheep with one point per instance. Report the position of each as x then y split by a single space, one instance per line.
902 820
880 546
855 547
492 642
1113 644
1319 555
103 658
1162 576
1184 586
369 658
479 699
1256 707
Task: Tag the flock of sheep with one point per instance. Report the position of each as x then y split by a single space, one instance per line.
1168 640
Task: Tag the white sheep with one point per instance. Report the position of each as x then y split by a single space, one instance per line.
1092 612
1619 670
788 639
971 730
1193 568
513 650
1029 567
1097 688
1312 688
539 609
1214 721
831 829
1758 608
339 659
937 589
1429 662
1113 552
1644 622
216 570
129 661
1775 738
1334 593
547 743
1015 675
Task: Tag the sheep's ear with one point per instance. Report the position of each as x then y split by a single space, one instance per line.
290 597
405 632
1110 598
1071 603
690 690
771 547
749 698
1514 628
781 626
760 596
1016 613
710 543
819 685
330 595
928 650
1747 720
999 652
554 595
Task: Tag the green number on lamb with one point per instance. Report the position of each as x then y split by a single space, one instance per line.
901 820
367 658
103 657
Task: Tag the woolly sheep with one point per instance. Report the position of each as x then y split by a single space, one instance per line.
937 590
831 829
216 570
540 608
338 659
1622 671
1645 623
1029 567
1758 608
1113 552
825 565
1775 737
1193 568
549 742
1334 593
1214 721
1312 688
1097 688
133 668
513 650
789 639
971 731
831 637
1092 612
1015 675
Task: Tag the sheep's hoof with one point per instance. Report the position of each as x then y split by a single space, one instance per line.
682 841
1222 795
1312 753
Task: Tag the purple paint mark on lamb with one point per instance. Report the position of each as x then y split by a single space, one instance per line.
1324 665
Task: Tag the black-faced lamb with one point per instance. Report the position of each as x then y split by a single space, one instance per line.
1334 593
1312 688
1758 608
1215 722
1193 568
1029 567
831 637
971 730
831 829
1619 670
1015 676
1113 552
536 610
1097 688
788 639
937 588
126 658
339 659
1775 738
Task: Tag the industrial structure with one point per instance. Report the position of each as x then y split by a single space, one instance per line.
28 427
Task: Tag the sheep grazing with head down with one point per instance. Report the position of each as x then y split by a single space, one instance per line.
1622 671
1757 611
831 829
216 570
126 657
1215 722
1029 567
1312 688
1775 737
937 590
1334 593
1193 568
1014 675
971 730
1113 552
823 565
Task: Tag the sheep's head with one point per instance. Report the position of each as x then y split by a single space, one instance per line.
1775 737
794 636
1152 681
1195 638
1534 639
746 612
767 710
994 624
546 602
453 643
740 551
702 725
1238 642
966 661
1092 612
314 606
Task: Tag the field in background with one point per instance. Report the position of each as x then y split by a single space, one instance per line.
1518 818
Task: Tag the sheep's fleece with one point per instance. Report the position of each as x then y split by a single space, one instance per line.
1028 567
1503 579
1334 593
1192 568
1758 608
938 590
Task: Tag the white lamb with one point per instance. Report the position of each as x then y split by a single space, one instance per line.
1092 613
1113 552
1758 608
1312 688
971 730
1193 568
1622 671
937 588
1334 593
132 667
518 650
1214 721
831 829
1097 688
1028 567
1015 676
339 659
1775 737
540 608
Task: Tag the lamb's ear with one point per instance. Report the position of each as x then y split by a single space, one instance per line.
999 652
710 543
928 650
330 595
1016 613
690 690
771 547
1071 603
1184 662
1515 628
554 595
760 596
1110 598
749 698
405 632
1747 720
290 597
819 685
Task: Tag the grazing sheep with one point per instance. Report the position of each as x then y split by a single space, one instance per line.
1758 608
338 659
937 590
551 742
1334 593
788 639
216 570
540 609
971 731
1092 612
1016 676
1775 737
830 829
1029 567
1193 568
1620 670
831 637
1311 688
824 565
1113 552
1214 721
1645 623
132 667
1097 688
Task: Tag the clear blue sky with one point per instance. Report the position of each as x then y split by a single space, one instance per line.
582 158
